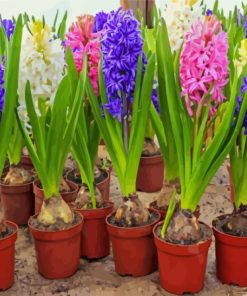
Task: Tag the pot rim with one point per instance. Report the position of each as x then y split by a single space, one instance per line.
37 181
109 205
134 227
153 156
179 245
80 184
226 235
53 231
16 228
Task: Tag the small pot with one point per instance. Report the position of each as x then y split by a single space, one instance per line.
67 196
7 258
150 175
104 187
231 257
17 202
133 248
182 267
95 242
232 190
26 162
153 206
57 252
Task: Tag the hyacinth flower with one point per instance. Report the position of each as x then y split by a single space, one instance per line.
203 134
50 143
81 38
11 51
124 87
99 21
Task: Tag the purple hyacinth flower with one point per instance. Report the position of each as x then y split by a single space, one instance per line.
209 12
244 86
155 100
9 27
239 102
99 21
2 90
121 46
245 27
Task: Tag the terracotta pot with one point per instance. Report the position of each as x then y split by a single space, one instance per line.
57 252
104 187
7 258
26 162
95 242
153 206
150 175
17 202
39 194
133 248
181 267
231 257
232 190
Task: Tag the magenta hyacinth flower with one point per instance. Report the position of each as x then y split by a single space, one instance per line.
204 64
81 39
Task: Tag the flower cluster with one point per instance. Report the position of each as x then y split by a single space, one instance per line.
209 12
42 63
9 27
239 102
121 46
2 90
81 39
99 21
179 17
204 64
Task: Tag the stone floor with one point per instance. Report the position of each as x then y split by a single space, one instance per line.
99 278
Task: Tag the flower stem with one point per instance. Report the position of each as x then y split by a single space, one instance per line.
125 123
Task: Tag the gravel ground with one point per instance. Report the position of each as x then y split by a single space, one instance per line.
98 278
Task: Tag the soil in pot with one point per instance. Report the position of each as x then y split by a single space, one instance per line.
7 254
182 253
230 233
95 242
17 195
68 191
57 243
102 180
151 168
130 230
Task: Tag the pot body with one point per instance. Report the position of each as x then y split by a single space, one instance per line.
150 175
231 258
67 196
57 252
17 202
181 267
7 258
133 248
95 242
104 187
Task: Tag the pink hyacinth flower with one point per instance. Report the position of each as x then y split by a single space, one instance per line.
81 39
204 64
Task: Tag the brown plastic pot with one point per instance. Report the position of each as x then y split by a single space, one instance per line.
26 162
181 267
232 190
57 252
153 206
231 257
150 175
67 196
95 242
133 248
104 187
7 258
17 202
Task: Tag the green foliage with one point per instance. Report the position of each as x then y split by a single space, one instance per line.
125 163
12 54
53 131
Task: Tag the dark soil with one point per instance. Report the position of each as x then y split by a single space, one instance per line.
234 224
206 234
59 225
8 232
154 206
39 185
150 148
154 216
90 206
74 177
